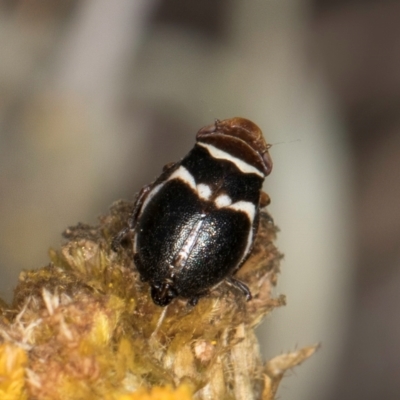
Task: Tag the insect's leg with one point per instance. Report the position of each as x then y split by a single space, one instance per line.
264 215
120 236
168 167
141 197
195 299
239 285
265 200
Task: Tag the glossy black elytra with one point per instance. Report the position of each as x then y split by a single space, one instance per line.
195 225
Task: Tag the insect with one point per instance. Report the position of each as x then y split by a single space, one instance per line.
195 225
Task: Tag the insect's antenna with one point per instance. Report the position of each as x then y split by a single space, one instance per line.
159 323
284 142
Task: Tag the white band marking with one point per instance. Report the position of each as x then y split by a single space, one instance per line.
184 175
204 191
223 155
245 206
152 193
223 200
181 173
248 245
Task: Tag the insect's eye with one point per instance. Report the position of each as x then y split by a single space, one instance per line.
267 160
207 129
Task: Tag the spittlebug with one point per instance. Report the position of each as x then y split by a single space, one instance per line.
195 225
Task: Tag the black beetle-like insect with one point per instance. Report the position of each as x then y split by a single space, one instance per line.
195 225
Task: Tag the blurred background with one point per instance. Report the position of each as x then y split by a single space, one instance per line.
96 96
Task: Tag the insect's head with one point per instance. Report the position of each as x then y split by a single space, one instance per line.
244 130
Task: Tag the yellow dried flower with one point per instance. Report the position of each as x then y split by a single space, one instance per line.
160 393
12 372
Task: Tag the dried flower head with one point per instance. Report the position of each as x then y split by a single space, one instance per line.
85 327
